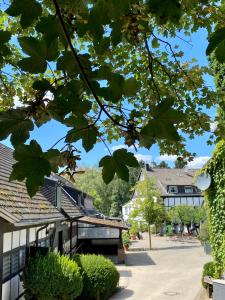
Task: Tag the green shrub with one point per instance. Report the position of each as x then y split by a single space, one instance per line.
204 232
52 277
100 277
126 239
208 270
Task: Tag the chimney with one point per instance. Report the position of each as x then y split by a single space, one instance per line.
58 196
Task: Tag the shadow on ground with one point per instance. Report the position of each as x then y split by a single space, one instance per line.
123 294
176 247
139 259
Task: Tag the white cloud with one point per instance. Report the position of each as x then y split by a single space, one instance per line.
198 162
143 157
213 126
17 102
166 157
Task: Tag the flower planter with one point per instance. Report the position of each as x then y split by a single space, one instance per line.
133 237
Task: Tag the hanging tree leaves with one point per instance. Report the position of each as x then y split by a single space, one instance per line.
106 70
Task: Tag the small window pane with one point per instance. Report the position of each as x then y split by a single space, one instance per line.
183 200
14 287
7 241
16 239
15 262
32 235
177 201
6 290
173 189
22 257
23 237
6 267
188 189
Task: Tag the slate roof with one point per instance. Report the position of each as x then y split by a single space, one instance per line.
69 205
15 204
177 177
103 222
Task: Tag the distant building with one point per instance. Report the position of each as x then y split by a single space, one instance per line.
177 187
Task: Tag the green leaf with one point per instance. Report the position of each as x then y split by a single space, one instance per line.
117 164
108 169
166 10
16 124
216 38
33 46
127 157
88 136
155 43
131 87
33 64
31 165
5 36
29 10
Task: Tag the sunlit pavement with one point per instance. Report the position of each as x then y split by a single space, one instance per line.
172 270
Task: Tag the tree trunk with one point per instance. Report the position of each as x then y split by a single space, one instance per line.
150 238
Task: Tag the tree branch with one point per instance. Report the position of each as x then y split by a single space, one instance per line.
82 70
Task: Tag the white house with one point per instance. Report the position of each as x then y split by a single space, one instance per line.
177 187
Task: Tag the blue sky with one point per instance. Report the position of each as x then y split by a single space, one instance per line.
49 133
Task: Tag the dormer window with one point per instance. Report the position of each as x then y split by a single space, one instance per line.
188 189
173 189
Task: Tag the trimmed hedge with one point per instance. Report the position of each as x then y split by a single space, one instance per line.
208 270
52 277
100 277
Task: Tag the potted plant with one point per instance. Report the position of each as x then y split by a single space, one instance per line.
126 241
133 230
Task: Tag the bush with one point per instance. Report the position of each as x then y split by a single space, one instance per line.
126 239
204 232
100 277
208 270
52 277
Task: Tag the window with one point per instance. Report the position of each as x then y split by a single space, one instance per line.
173 189
188 189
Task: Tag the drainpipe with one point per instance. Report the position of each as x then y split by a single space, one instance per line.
37 233
71 236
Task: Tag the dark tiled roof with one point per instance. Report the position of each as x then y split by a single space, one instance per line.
103 222
15 204
177 177
69 204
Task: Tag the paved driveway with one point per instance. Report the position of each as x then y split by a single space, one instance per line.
172 270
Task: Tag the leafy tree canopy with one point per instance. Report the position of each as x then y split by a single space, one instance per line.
106 70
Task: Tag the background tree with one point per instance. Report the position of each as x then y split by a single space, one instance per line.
148 206
109 198
180 163
163 165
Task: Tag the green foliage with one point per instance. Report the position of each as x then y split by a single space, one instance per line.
126 239
187 214
118 164
109 198
100 277
52 277
30 158
208 270
148 206
134 227
109 75
215 200
204 232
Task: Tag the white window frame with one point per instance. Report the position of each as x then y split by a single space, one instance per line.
173 187
191 190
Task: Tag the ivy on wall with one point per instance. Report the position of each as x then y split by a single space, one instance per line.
215 202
